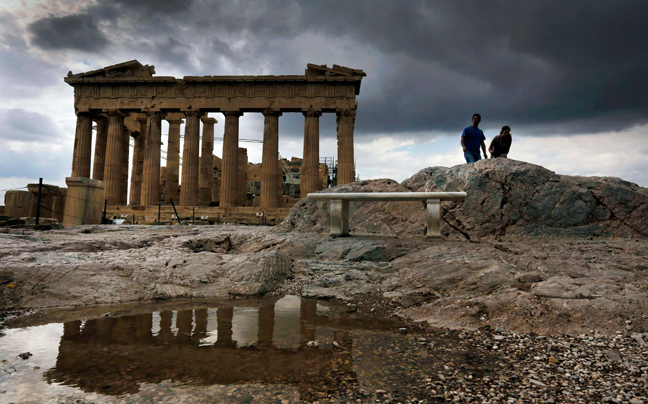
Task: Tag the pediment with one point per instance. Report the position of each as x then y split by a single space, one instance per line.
336 70
132 68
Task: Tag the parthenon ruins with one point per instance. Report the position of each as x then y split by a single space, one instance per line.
127 100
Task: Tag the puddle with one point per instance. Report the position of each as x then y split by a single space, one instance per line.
283 350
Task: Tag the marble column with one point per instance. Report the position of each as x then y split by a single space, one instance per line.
345 165
229 167
151 173
241 200
206 179
310 181
123 194
82 147
190 160
137 170
172 190
269 166
100 149
112 170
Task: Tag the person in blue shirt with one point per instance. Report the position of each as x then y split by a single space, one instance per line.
471 139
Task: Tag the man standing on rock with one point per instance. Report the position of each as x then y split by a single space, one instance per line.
471 138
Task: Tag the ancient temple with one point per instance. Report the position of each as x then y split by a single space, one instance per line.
127 100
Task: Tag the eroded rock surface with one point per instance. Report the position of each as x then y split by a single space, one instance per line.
525 252
505 198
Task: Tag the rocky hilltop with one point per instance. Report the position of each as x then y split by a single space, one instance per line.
505 198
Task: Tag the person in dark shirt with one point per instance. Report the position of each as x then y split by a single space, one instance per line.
471 139
501 144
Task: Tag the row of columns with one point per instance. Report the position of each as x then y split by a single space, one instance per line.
111 157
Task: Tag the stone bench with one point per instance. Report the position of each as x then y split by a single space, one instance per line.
340 206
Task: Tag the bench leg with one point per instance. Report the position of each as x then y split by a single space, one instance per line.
339 218
433 213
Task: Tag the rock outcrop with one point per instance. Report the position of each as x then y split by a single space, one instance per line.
505 198
384 218
509 197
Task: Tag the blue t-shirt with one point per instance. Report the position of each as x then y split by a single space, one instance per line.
473 138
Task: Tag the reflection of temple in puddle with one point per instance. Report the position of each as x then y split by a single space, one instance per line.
265 344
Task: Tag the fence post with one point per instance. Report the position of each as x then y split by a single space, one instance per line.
159 211
176 213
193 215
38 200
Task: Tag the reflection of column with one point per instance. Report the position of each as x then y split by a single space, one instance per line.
307 312
151 172
100 149
184 321
122 329
112 171
200 330
138 164
229 167
310 166
144 326
71 329
345 171
189 183
123 193
172 182
166 320
266 324
224 324
269 167
82 147
206 179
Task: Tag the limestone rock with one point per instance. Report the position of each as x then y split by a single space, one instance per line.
509 197
384 218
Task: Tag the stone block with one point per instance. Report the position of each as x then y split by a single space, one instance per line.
84 201
17 203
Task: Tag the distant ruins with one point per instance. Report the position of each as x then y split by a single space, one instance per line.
126 100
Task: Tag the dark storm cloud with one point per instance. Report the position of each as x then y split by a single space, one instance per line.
22 74
550 66
77 31
148 7
544 62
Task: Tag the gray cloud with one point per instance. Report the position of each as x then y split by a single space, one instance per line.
77 31
25 126
551 66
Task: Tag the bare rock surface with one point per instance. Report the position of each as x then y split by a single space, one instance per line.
509 197
572 259
505 198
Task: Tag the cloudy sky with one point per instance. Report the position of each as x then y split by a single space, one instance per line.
569 77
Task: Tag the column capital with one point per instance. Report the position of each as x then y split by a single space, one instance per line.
208 121
232 113
193 112
174 121
345 112
115 112
272 112
311 113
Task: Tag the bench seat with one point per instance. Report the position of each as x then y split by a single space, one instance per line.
339 210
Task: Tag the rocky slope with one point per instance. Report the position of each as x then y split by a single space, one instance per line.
536 259
505 198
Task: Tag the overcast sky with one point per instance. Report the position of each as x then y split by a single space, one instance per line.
569 77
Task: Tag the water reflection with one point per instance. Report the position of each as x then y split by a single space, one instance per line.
263 344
